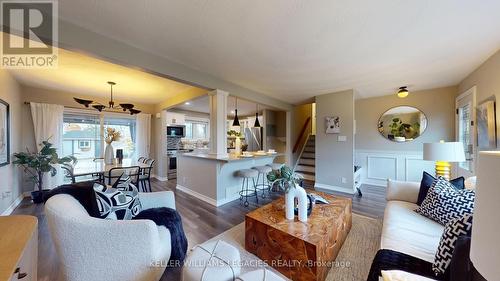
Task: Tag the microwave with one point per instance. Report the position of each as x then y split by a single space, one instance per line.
176 131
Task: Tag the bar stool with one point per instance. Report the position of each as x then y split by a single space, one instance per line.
246 192
263 171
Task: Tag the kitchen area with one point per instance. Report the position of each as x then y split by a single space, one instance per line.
253 135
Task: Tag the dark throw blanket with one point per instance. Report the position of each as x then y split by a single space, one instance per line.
392 260
170 218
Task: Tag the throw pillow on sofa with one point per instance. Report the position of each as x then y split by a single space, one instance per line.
426 183
452 230
117 204
444 202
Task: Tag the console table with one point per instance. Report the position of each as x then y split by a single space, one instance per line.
19 248
300 251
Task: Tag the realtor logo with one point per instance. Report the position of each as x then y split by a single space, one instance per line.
29 34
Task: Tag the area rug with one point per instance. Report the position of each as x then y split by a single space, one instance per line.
352 264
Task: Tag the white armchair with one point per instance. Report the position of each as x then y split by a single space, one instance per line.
98 249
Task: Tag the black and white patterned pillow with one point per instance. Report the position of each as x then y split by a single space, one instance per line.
455 228
116 204
124 183
444 202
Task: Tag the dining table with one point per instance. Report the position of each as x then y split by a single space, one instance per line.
98 166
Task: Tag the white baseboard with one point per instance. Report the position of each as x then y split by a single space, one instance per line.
382 183
227 200
200 196
13 205
160 178
328 187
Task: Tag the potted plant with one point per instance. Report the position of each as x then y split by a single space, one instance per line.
37 164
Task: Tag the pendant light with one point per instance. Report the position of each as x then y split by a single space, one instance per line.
236 121
403 92
257 123
111 104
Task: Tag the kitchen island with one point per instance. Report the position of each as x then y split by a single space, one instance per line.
214 179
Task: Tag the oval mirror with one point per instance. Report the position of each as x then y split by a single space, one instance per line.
402 123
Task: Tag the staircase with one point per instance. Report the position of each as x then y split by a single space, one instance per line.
306 164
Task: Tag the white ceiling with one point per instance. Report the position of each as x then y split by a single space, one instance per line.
245 108
294 49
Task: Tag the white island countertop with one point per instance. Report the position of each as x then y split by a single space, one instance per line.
231 157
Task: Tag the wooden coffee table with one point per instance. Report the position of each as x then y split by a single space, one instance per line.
300 251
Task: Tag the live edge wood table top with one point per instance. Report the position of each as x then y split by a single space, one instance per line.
299 250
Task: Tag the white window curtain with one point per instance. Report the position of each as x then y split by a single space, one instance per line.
142 135
48 125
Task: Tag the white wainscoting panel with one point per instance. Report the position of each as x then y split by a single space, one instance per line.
380 165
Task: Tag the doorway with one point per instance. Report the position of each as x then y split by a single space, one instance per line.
465 131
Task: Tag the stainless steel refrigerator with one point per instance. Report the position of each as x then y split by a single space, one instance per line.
253 137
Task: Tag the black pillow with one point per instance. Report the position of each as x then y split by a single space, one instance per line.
428 179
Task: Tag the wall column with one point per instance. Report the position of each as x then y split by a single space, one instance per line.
218 123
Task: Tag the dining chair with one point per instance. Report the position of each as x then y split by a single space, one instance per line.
145 176
141 159
68 172
69 169
98 176
115 174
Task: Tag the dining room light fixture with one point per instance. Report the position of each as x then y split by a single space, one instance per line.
403 92
236 121
111 104
257 123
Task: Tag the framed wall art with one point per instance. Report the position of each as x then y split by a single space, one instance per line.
333 125
4 133
486 125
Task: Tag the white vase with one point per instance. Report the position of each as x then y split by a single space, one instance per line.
301 195
109 154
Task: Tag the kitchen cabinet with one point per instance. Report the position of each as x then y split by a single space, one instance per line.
19 244
174 118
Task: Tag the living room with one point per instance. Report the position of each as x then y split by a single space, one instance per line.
333 143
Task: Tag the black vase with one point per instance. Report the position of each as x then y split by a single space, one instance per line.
309 206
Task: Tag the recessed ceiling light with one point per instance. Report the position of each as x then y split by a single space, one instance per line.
187 103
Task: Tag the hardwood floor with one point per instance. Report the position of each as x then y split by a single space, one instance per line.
201 220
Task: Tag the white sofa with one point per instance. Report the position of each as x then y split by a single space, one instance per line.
97 249
403 229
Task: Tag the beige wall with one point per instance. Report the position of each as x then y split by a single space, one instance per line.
486 78
11 176
300 113
335 159
437 104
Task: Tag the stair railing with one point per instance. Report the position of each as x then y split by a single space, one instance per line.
301 135
301 152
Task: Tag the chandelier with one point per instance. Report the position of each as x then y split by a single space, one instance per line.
111 103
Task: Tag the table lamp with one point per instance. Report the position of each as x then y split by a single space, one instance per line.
443 153
485 249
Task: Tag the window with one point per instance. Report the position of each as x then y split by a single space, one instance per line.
464 134
126 126
84 144
197 129
83 133
82 136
